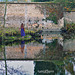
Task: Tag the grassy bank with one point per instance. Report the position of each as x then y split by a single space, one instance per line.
11 31
11 34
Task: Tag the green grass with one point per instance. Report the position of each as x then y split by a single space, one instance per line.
27 37
58 62
32 0
12 31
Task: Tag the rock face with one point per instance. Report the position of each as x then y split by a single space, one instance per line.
30 15
70 16
2 9
21 13
69 45
15 15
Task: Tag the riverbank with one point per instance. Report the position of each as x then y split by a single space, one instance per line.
15 34
14 31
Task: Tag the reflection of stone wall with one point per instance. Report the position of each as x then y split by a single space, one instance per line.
69 16
2 8
69 45
50 36
33 49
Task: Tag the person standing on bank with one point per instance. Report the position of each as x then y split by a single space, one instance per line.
22 30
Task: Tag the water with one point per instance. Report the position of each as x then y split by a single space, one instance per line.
38 67
56 53
49 46
38 48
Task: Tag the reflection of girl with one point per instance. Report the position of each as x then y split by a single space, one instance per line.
22 46
22 30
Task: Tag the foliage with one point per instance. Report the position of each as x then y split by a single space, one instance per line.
69 31
52 45
52 17
14 31
52 12
69 27
27 37
58 62
69 64
67 4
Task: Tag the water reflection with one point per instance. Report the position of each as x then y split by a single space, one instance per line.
48 37
35 49
2 68
20 67
54 67
50 46
17 68
24 48
44 48
69 66
29 50
1 51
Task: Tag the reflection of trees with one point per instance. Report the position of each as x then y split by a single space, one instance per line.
53 52
1 49
12 70
42 66
69 66
50 66
2 67
60 69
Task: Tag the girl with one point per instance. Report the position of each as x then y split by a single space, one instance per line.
22 30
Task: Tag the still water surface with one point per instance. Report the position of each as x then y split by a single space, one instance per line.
38 67
49 46
58 53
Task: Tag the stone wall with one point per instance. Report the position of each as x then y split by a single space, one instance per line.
21 13
27 14
69 16
2 9
15 15
69 45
